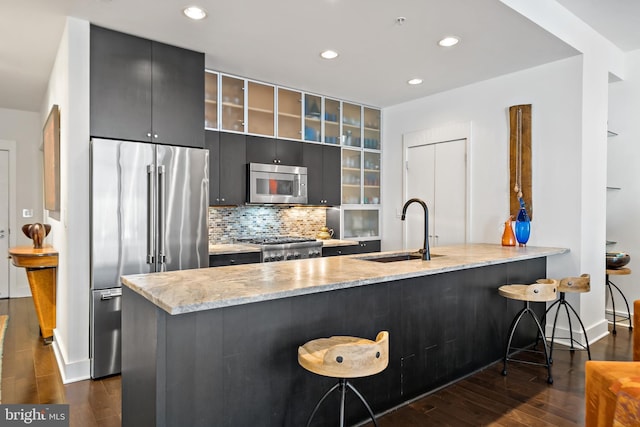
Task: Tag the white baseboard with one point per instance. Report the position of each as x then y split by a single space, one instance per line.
70 372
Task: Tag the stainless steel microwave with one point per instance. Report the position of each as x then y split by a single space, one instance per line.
277 184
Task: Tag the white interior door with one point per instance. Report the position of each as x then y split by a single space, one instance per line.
4 223
450 193
421 177
436 173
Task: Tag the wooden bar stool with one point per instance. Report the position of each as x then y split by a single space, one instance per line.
574 285
345 357
618 272
541 291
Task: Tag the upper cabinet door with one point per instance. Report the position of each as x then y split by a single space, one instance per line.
312 118
120 83
178 96
371 128
145 91
232 104
289 114
331 121
210 100
261 107
351 124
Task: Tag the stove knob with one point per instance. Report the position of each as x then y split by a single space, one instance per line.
279 258
296 256
289 257
318 254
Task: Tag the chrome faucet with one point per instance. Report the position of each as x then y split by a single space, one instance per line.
426 255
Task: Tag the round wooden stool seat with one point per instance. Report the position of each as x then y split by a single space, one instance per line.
618 271
542 290
575 284
345 357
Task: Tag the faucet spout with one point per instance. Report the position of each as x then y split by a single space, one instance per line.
426 255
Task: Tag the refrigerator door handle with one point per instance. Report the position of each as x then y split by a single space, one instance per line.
161 215
150 216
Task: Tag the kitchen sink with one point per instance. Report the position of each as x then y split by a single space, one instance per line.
404 256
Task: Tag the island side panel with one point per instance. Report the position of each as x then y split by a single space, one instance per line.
141 336
238 365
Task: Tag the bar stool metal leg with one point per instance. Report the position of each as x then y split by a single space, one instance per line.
342 386
364 402
322 399
613 304
563 303
512 329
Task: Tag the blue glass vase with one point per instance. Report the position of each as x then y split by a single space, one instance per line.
523 225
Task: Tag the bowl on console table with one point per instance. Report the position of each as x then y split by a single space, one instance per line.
617 260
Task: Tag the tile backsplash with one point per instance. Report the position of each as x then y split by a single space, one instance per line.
229 223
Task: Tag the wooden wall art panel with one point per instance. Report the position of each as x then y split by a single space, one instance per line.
520 159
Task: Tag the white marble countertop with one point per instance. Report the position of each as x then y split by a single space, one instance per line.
187 291
234 248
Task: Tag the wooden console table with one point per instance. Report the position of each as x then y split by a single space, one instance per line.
41 265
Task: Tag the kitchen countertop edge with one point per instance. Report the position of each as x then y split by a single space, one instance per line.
186 291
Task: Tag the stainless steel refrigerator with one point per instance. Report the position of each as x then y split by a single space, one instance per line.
149 207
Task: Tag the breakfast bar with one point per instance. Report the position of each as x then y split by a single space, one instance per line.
218 346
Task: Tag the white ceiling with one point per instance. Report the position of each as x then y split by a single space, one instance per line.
278 41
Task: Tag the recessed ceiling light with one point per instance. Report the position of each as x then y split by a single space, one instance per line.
194 12
415 81
449 41
329 54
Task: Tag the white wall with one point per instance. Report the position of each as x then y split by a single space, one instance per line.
25 129
623 206
486 106
69 88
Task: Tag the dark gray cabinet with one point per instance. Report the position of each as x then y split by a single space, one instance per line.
271 150
234 259
361 247
323 173
142 90
340 250
367 246
227 168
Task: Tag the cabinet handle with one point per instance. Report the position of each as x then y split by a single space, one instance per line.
155 135
217 199
149 134
223 199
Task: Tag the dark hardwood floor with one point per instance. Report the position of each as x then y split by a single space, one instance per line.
522 398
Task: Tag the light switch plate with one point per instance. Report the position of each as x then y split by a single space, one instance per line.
27 213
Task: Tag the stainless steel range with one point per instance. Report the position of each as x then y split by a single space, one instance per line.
285 248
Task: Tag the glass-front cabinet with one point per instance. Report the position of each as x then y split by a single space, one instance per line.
261 107
331 121
371 128
360 223
289 113
351 124
232 104
351 176
371 180
210 100
312 115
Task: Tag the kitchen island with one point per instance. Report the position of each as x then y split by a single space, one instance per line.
218 346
